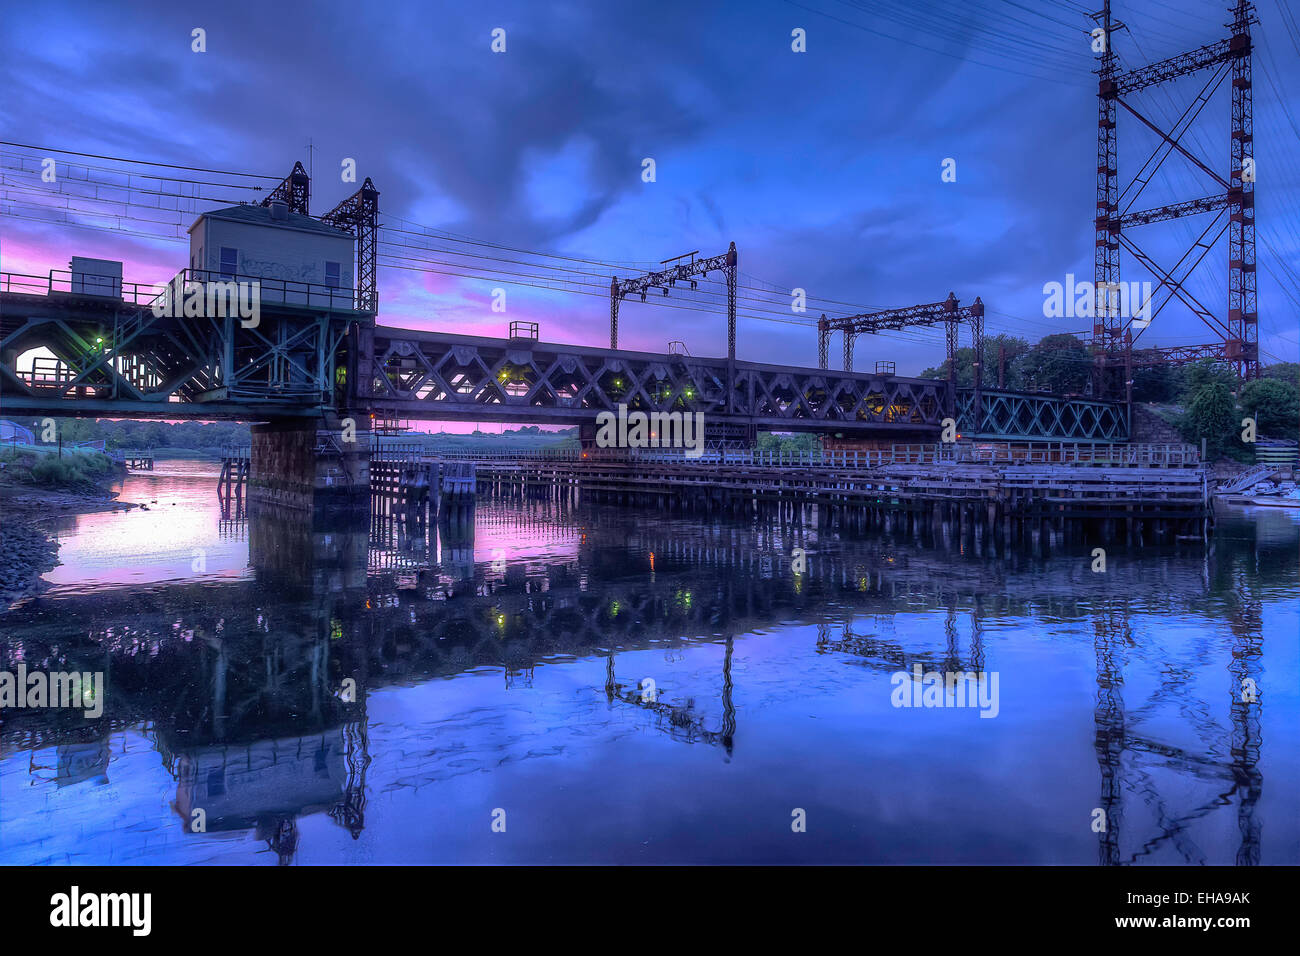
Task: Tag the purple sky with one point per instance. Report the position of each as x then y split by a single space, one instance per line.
823 167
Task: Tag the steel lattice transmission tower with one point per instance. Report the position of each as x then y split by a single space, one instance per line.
295 190
1113 333
950 312
358 215
1243 307
665 279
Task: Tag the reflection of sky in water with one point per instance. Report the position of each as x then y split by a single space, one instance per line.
178 535
589 775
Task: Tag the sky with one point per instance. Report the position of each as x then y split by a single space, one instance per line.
823 166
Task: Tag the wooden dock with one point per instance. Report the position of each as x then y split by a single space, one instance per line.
134 460
1159 490
1143 491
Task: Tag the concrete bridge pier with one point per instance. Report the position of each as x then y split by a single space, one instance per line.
310 465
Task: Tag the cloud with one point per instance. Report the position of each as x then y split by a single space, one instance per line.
823 167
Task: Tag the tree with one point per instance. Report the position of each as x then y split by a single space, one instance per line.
1273 403
964 362
76 430
1012 348
1211 415
1058 362
801 442
1155 380
1286 371
1205 372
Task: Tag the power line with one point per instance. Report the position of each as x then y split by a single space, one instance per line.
888 36
140 162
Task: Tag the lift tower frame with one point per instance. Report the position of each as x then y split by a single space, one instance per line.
1113 335
358 215
294 189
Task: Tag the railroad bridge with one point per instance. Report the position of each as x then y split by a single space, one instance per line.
314 357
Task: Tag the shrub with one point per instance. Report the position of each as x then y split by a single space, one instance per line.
1275 403
1212 415
69 471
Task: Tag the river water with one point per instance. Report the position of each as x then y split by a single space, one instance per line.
560 683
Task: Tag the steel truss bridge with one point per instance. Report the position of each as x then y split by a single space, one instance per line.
316 349
114 355
1022 416
441 376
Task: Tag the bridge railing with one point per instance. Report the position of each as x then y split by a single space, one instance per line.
316 295
62 281
387 452
1029 453
24 284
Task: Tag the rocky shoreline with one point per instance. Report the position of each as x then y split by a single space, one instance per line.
28 550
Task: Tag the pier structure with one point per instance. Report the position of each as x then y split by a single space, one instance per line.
134 460
1138 492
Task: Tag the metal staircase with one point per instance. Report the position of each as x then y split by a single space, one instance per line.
1247 479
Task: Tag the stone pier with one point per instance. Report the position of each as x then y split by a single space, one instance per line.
308 465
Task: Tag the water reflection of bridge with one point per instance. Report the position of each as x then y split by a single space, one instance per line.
239 682
1133 758
680 721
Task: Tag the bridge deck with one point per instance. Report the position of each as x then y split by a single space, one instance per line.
443 376
113 356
